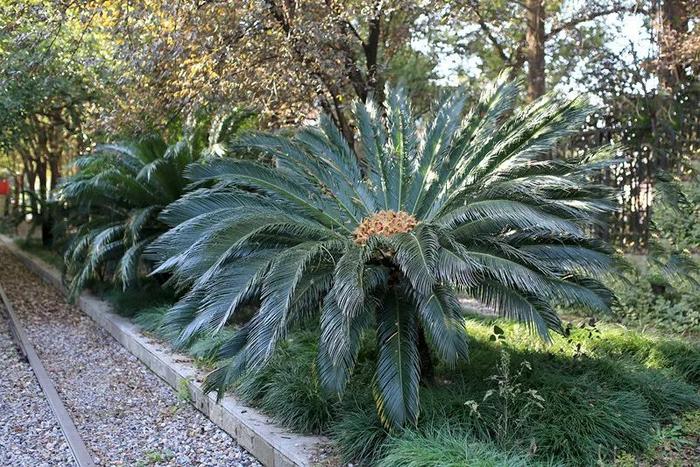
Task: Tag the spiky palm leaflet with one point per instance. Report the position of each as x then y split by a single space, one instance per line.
495 221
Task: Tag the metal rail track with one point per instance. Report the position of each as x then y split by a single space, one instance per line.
75 442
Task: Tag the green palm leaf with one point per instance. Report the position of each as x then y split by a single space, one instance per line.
398 370
120 190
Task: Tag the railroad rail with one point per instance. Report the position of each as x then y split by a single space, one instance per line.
75 442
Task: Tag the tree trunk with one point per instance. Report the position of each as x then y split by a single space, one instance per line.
6 205
375 85
673 23
534 39
55 169
47 231
17 190
41 209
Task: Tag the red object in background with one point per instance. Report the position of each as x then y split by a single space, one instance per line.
4 187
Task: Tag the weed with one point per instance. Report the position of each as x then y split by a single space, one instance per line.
183 391
690 423
624 459
156 457
512 403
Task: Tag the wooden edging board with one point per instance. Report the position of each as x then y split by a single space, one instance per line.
80 452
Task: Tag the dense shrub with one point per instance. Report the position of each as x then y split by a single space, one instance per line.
665 292
680 225
652 300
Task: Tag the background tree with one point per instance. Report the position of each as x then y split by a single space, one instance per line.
679 45
541 39
288 58
52 74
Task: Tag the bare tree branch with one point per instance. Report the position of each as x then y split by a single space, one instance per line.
567 25
474 6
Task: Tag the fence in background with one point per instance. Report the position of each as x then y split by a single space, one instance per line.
650 143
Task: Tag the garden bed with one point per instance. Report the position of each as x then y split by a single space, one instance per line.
604 393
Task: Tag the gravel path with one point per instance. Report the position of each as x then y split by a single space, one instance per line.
29 433
125 414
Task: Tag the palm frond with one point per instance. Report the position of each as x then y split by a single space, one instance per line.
398 371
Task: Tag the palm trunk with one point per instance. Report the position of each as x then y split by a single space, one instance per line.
427 368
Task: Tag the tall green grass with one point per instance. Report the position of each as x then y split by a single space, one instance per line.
288 388
608 394
150 297
445 448
36 248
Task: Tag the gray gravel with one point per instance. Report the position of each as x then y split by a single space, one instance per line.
29 433
125 414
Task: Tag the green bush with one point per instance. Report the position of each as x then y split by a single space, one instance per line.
664 294
665 396
649 299
680 226
205 349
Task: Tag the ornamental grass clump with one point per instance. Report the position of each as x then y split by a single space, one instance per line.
380 236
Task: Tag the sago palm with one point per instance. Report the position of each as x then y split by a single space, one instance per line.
385 234
118 191
113 202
